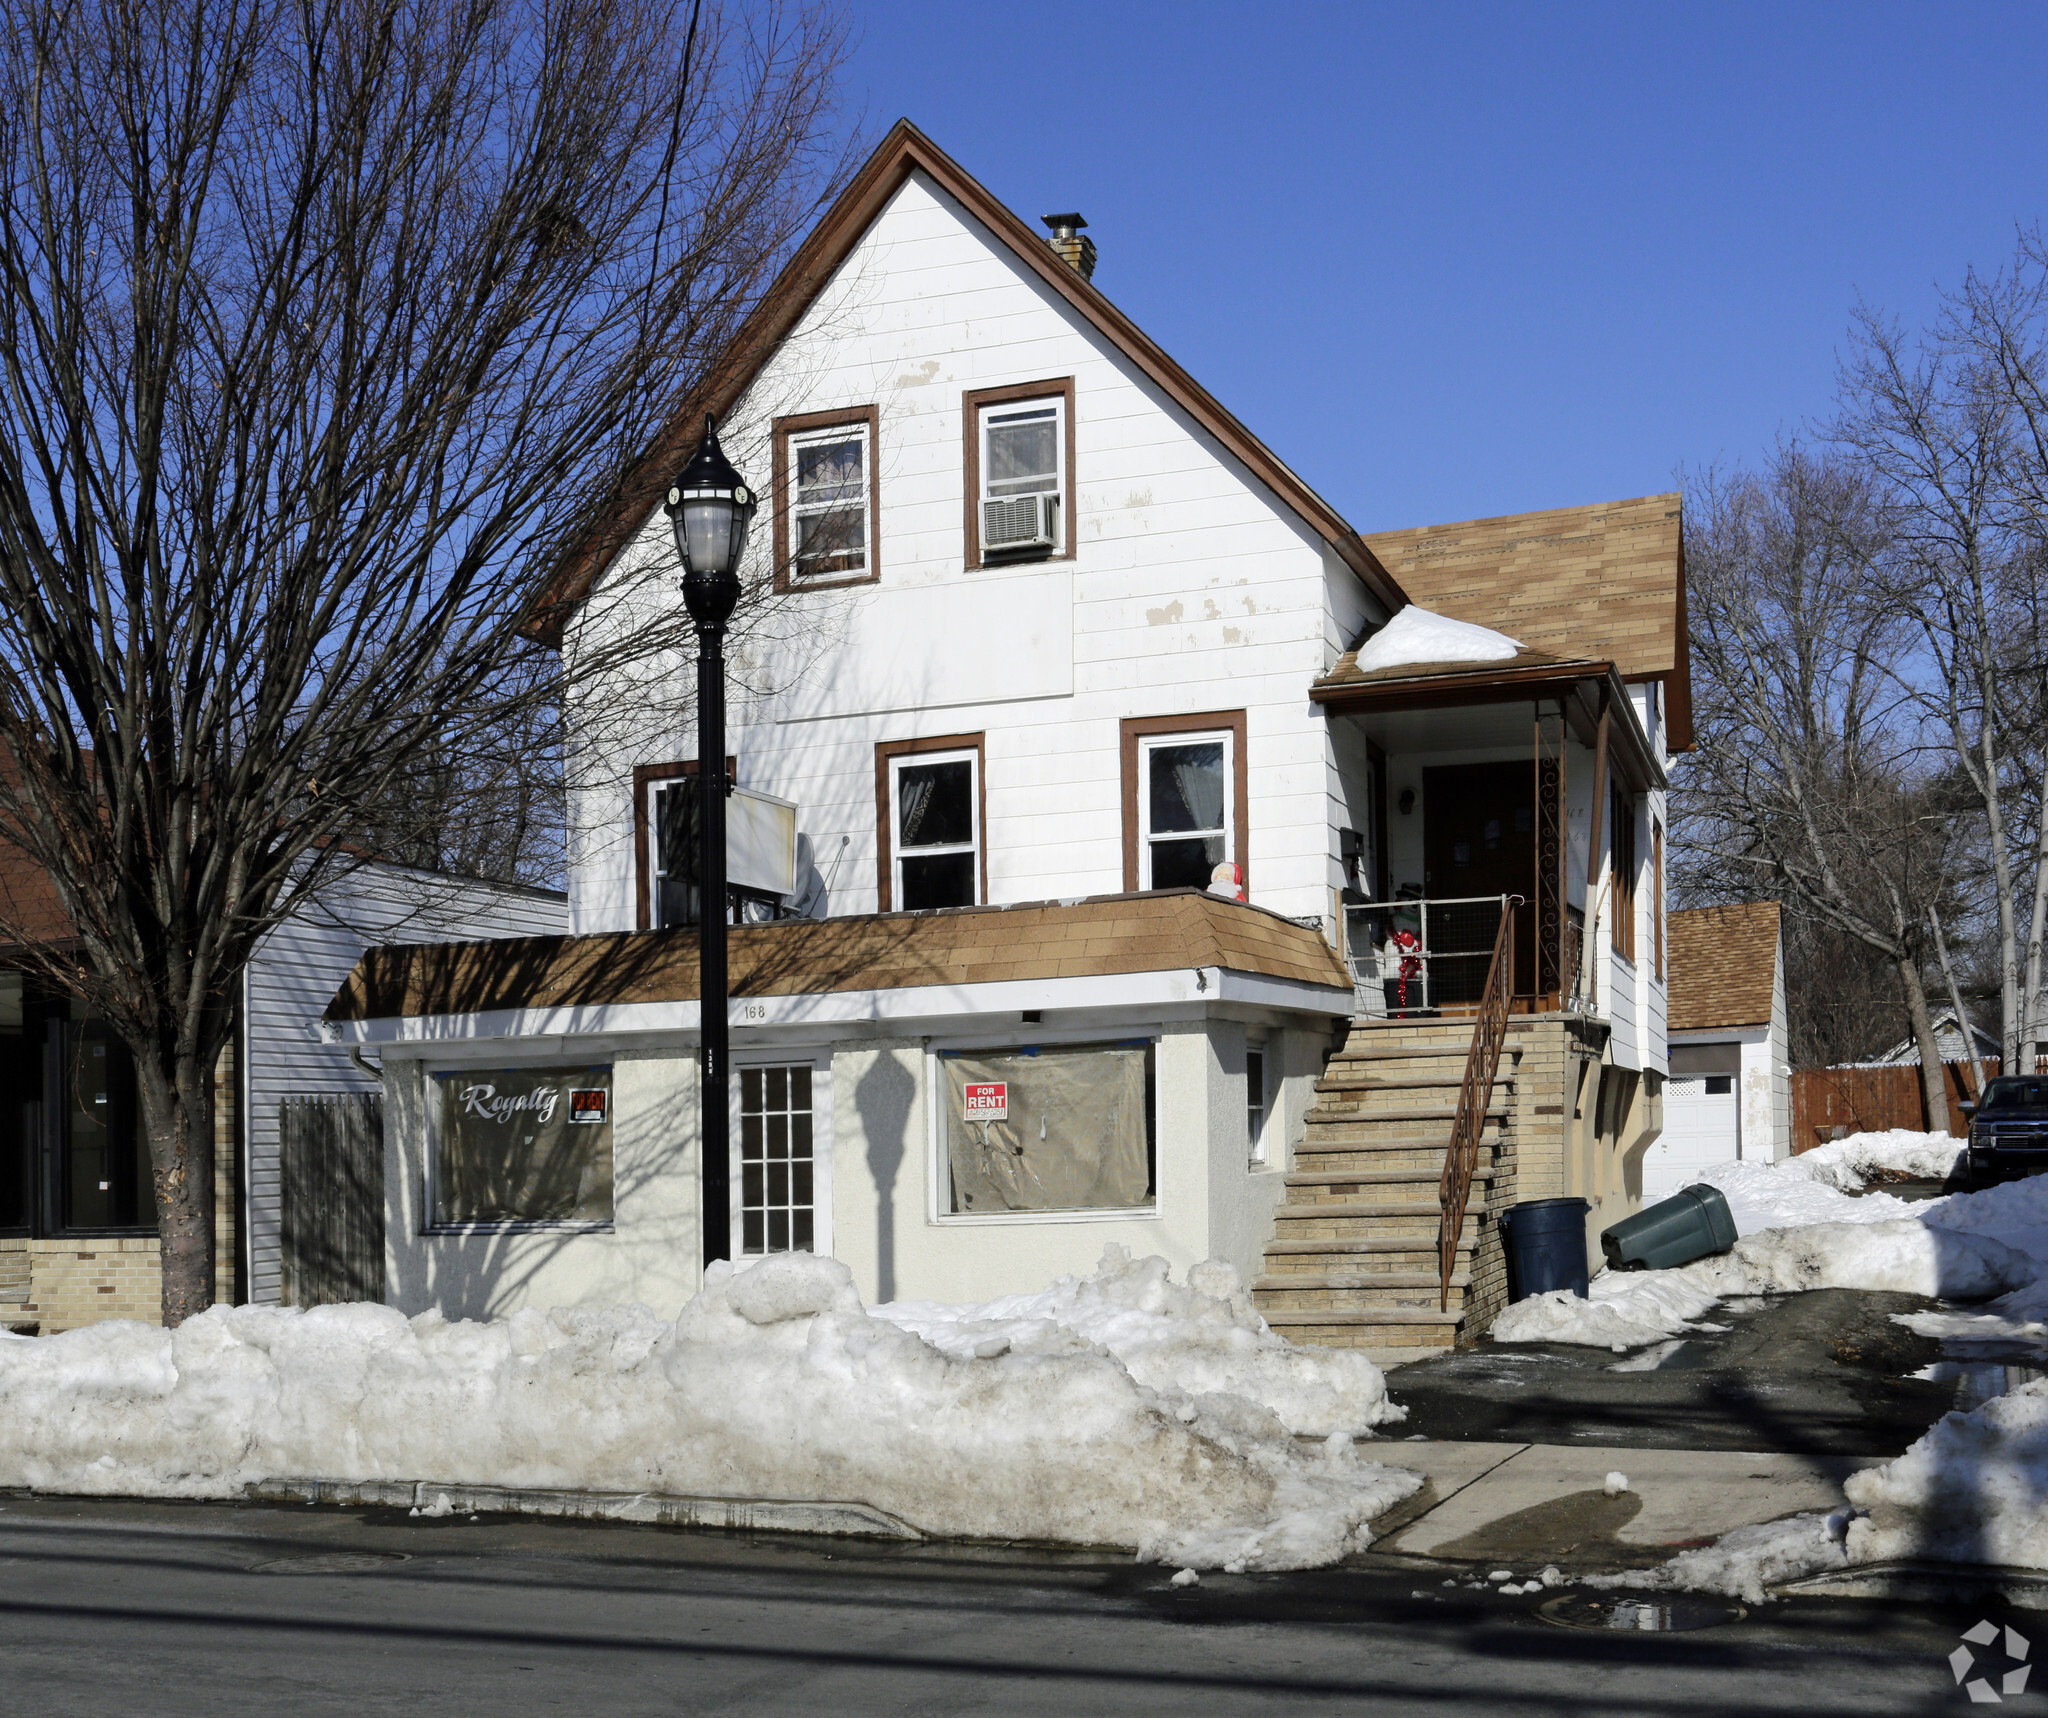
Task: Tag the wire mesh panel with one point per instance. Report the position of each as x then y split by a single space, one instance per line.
332 1165
1419 957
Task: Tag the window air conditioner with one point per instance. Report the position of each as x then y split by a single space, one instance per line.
1020 522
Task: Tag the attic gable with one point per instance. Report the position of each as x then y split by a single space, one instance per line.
906 151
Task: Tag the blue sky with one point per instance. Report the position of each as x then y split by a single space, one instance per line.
1456 261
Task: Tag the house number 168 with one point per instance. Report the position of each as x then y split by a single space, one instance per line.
753 1011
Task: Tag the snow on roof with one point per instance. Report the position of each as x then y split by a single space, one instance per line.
1416 635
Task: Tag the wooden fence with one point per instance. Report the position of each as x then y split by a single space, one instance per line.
332 1166
1869 1100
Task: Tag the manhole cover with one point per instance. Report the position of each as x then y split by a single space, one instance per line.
1578 1611
331 1563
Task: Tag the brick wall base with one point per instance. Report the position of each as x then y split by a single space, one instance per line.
82 1282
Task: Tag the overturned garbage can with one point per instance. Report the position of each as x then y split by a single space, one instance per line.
1692 1223
1546 1246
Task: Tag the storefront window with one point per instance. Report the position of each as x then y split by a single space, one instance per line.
523 1145
106 1180
1054 1128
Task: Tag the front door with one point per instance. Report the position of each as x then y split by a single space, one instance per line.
1479 839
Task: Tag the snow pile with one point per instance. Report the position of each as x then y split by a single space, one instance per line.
1849 1164
1776 1196
1626 1309
1416 636
773 1383
1745 1563
1974 1489
1203 1338
1623 1310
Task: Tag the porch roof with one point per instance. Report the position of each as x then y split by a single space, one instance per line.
1596 585
1103 936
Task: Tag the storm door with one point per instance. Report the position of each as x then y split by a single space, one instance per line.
1479 840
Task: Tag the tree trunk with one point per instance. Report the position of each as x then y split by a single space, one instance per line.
1933 1084
175 1094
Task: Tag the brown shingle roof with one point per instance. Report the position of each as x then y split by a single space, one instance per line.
1590 583
1723 963
1107 935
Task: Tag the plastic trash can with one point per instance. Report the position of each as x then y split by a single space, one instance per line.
1692 1223
1546 1246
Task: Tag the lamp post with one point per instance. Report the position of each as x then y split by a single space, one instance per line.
710 506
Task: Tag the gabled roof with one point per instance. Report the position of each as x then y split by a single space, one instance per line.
905 151
1724 962
1598 583
1103 936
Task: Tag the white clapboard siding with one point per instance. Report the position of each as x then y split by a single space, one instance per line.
1192 588
294 975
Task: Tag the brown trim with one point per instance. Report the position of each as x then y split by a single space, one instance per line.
972 404
906 150
1136 728
644 776
1596 836
885 750
784 428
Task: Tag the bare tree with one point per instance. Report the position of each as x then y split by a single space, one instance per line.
1805 781
325 328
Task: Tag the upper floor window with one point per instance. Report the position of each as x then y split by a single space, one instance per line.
1187 810
1622 814
931 837
1020 491
827 498
677 898
1184 783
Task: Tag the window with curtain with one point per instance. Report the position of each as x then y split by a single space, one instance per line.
1621 812
1185 794
828 502
936 845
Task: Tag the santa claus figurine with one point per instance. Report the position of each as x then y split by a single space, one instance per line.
1402 945
1226 880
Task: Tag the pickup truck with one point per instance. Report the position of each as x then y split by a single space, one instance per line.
2008 1132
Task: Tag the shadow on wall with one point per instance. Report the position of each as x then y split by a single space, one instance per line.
884 1098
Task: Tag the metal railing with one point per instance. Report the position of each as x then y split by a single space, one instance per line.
1419 957
1475 1096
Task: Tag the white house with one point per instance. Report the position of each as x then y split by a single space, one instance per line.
1043 636
1730 1093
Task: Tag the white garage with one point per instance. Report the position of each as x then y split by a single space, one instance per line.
1729 1095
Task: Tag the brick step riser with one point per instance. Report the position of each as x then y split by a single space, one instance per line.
1424 1166
1420 1342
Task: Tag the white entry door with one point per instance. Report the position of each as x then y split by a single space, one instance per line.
1702 1127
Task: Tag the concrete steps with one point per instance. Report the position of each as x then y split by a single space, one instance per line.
1352 1262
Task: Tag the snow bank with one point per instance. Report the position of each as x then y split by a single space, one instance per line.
1744 1563
1850 1163
1974 1489
1416 636
1776 1196
1202 1338
774 1383
1626 1309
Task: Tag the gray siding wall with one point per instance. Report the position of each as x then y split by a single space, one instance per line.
295 973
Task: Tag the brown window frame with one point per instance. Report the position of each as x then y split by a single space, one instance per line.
972 404
799 424
886 752
1136 728
1621 812
644 777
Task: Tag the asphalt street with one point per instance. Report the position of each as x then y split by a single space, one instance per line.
112 1607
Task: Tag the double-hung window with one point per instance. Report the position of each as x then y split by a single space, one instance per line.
826 498
935 845
1185 784
673 857
1020 489
1256 1100
828 502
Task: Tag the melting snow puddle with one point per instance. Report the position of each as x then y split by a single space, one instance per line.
1577 1611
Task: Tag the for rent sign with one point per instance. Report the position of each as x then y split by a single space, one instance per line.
989 1101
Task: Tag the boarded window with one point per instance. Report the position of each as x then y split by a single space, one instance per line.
1059 1128
524 1145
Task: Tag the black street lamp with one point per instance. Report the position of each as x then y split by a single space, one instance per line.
710 506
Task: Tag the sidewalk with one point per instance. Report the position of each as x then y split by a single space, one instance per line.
1526 1505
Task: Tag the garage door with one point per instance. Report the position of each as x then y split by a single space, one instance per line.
1700 1129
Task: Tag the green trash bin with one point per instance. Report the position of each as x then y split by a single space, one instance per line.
1692 1223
